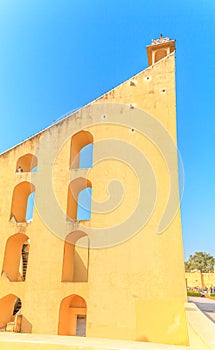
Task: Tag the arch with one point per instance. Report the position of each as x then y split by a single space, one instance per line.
75 257
81 154
20 201
26 163
159 54
72 316
10 306
73 199
16 257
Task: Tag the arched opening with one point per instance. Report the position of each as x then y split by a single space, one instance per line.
86 157
84 204
30 207
26 163
20 204
81 155
75 257
72 316
16 257
78 200
160 54
10 308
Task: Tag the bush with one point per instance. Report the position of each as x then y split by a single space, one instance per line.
211 296
192 293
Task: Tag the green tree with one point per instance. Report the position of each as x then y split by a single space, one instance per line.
201 261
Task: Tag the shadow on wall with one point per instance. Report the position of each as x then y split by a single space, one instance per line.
16 257
21 203
11 318
75 257
79 199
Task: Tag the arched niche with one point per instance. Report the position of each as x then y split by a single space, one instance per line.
10 305
16 257
72 316
75 257
26 163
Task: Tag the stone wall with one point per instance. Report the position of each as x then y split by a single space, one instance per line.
198 279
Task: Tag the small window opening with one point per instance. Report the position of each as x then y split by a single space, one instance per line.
79 199
22 202
81 155
84 204
26 163
30 207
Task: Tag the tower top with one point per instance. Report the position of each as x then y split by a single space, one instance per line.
159 49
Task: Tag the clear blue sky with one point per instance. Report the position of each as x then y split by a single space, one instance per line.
56 56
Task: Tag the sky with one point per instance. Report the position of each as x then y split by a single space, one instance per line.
58 55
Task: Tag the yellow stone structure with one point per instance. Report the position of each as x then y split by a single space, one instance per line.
114 269
200 279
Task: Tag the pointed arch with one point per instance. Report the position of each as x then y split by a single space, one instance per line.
76 203
75 257
26 163
72 316
16 257
81 154
19 205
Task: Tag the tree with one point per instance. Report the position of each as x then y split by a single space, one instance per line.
201 261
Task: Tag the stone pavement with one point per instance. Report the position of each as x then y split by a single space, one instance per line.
207 306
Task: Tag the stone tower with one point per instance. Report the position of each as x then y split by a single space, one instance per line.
101 254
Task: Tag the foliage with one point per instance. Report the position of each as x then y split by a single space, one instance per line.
201 261
192 293
211 296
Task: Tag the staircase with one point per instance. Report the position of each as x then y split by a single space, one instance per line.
15 324
25 254
17 306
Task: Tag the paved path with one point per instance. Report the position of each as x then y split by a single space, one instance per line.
207 306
